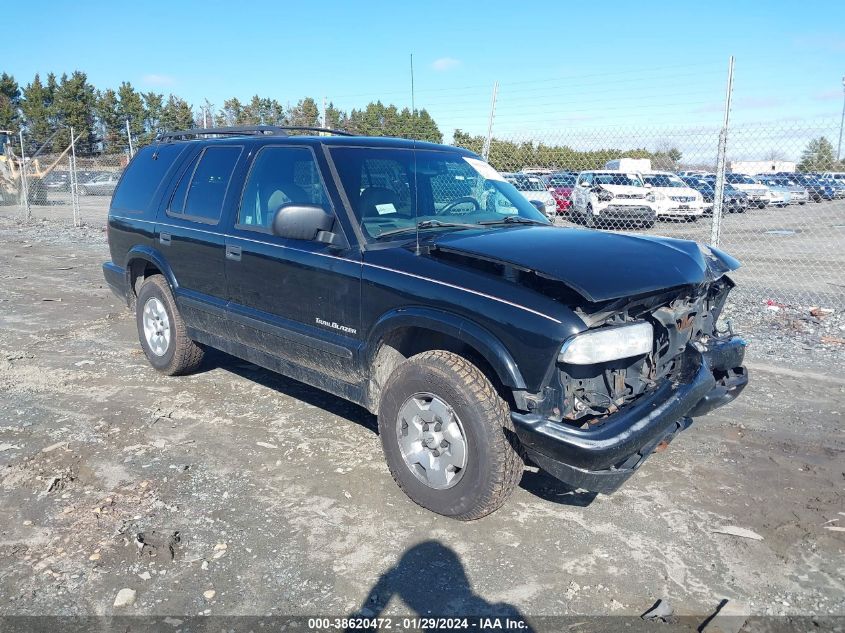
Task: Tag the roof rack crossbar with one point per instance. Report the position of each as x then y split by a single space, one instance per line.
246 130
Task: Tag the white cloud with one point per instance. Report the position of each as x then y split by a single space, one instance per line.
158 80
445 63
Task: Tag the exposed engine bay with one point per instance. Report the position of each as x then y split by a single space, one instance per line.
590 393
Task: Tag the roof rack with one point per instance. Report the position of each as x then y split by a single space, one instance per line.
246 130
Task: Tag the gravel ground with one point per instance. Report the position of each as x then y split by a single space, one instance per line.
236 491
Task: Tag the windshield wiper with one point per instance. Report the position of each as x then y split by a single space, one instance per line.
513 219
427 224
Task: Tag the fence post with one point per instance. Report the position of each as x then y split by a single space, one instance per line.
74 182
719 194
129 136
24 181
485 152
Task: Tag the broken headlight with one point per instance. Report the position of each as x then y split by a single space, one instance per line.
605 344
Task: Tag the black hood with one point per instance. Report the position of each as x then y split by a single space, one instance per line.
597 265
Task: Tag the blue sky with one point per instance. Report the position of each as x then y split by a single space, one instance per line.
560 65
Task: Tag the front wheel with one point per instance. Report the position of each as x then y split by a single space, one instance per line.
162 331
448 437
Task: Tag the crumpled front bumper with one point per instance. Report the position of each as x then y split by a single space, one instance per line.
603 457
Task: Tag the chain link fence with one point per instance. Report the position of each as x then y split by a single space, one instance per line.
54 181
781 211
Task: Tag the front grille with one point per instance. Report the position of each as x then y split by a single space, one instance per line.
682 198
631 196
626 210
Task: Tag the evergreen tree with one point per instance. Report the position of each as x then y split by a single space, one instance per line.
112 127
153 107
10 99
305 113
176 115
335 119
131 108
817 156
35 105
231 114
74 107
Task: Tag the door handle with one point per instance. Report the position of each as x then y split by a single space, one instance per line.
233 253
164 238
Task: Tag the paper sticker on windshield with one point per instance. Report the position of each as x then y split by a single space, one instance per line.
387 207
484 169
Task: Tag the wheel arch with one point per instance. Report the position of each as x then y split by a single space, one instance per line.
143 261
405 332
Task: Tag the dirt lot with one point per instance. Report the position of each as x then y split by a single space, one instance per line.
235 491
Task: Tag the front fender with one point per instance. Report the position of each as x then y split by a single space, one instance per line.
459 327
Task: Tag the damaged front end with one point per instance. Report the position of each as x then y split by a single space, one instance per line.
596 423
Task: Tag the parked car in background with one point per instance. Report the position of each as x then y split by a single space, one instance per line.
56 181
836 176
758 195
615 198
798 193
534 189
779 196
561 184
837 185
101 185
818 190
674 199
791 194
733 200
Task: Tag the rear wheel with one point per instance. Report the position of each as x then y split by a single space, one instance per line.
448 437
161 330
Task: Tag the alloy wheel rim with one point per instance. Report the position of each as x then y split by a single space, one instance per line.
156 326
432 441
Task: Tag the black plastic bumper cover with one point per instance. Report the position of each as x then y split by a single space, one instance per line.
603 457
115 278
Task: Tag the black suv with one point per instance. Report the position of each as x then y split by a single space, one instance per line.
412 279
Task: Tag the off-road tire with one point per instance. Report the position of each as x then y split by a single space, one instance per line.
494 466
183 355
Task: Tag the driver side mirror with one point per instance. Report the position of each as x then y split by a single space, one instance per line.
304 222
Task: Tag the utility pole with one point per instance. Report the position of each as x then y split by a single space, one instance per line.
485 152
841 122
718 195
323 116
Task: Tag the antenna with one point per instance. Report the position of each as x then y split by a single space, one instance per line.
414 144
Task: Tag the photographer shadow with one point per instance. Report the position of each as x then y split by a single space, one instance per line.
432 582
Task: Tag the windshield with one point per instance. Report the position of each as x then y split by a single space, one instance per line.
391 189
562 180
525 183
663 180
629 180
739 179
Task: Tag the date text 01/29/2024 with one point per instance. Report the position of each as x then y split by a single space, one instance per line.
419 623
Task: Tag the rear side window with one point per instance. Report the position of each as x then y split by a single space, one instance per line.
203 198
143 177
